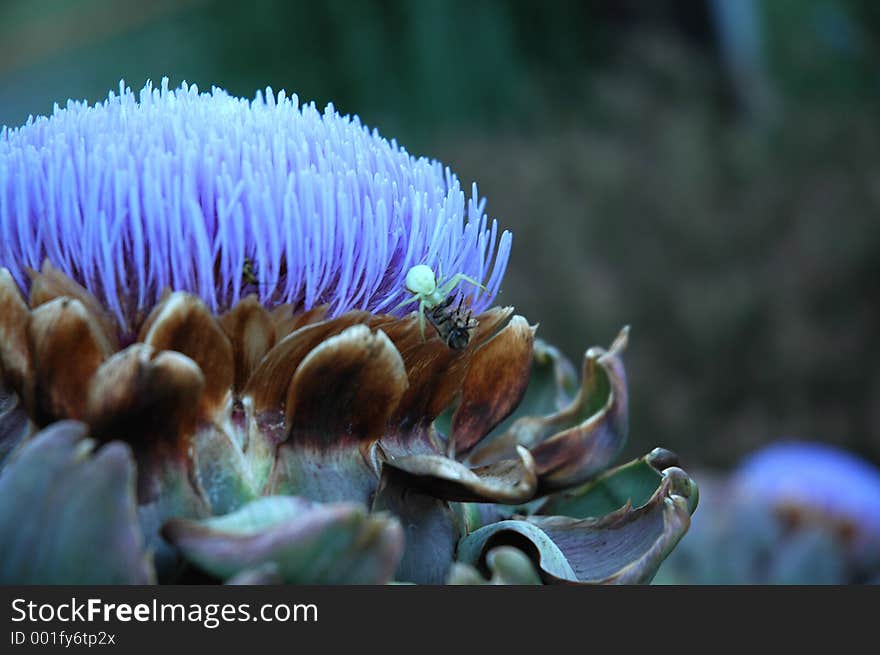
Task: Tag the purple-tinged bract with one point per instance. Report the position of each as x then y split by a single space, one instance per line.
222 196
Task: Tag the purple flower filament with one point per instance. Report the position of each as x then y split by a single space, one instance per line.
186 190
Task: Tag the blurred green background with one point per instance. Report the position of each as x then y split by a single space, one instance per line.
706 171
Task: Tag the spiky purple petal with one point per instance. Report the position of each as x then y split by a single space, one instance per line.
180 189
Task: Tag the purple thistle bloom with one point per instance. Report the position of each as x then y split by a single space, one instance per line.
816 477
181 189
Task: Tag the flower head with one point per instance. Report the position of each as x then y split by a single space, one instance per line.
791 512
815 480
215 306
220 196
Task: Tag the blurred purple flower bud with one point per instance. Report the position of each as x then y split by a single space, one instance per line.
817 479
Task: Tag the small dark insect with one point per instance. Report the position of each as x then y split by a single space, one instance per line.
249 272
453 325
250 275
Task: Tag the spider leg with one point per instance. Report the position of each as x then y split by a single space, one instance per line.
422 318
412 298
451 283
465 278
448 285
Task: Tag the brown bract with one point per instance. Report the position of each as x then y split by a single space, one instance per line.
345 389
495 383
50 283
16 362
141 393
251 332
184 324
576 443
294 398
67 347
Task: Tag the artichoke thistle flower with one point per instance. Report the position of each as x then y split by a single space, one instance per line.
829 481
792 512
204 373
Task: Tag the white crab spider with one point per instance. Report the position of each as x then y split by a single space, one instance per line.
428 292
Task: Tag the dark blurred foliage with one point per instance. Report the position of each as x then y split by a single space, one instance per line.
707 175
746 262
